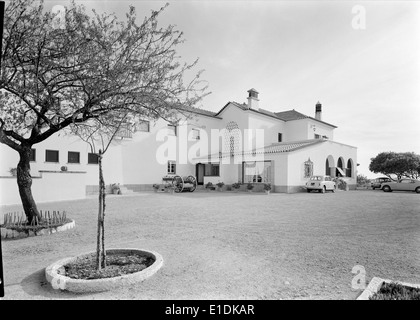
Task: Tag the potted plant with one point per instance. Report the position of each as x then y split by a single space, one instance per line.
236 186
115 188
267 188
250 186
220 185
209 186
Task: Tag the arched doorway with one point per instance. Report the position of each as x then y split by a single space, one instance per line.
340 168
349 170
329 166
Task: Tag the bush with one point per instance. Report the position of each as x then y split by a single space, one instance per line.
209 185
220 184
250 186
155 186
396 291
236 185
341 184
267 186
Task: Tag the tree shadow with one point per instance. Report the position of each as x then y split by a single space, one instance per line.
36 285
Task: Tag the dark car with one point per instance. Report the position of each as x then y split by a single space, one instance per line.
376 183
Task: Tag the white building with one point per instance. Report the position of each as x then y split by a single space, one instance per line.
240 143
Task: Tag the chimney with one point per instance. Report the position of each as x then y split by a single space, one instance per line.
318 111
253 99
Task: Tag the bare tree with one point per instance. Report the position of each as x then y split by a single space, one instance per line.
53 78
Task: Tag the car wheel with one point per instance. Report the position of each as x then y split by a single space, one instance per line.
308 190
386 189
373 188
418 190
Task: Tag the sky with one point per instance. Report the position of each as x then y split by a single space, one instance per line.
360 59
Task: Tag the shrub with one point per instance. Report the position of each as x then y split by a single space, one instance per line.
267 186
209 185
115 188
155 186
396 291
341 184
236 185
220 184
250 186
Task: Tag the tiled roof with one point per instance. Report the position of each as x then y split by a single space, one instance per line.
199 111
290 115
287 146
281 147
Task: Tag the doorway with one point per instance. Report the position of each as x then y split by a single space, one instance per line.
199 173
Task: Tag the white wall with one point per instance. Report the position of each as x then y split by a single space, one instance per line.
271 127
49 186
318 155
303 130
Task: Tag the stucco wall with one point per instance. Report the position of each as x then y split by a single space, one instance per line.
318 155
48 186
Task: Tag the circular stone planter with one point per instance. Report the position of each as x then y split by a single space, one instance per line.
7 233
55 274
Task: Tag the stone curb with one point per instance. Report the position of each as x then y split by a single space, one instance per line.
376 283
54 274
8 233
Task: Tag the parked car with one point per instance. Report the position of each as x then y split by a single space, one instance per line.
376 183
320 183
402 185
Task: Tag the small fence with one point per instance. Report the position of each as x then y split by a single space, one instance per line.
16 220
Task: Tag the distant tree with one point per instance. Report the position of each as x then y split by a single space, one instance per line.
85 67
362 180
404 164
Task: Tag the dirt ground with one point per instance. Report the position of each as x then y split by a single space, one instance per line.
225 245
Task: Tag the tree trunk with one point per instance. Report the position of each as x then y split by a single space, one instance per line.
24 181
100 242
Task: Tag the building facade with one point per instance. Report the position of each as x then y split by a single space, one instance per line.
240 143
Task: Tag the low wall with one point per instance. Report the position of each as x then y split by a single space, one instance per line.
49 186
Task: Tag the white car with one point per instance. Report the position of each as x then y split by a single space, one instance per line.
321 184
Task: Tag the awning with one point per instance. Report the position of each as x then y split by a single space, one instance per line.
341 171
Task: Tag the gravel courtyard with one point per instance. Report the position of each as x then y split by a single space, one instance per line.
225 245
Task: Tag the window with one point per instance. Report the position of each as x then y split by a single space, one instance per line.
256 171
51 155
211 170
32 157
172 129
143 126
406 181
309 168
195 134
280 137
93 158
317 136
73 157
171 167
125 131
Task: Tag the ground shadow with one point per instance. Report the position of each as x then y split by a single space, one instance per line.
37 285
